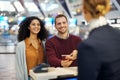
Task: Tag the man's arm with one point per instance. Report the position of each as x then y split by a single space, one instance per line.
52 58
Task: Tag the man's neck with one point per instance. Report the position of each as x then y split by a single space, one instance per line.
63 36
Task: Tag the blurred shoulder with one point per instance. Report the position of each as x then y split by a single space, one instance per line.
75 37
21 43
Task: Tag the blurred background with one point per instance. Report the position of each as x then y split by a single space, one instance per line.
12 12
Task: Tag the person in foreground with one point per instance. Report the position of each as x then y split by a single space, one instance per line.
61 48
99 55
29 50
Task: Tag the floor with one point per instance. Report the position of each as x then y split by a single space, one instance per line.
7 67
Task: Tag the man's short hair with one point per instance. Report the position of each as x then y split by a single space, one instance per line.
60 15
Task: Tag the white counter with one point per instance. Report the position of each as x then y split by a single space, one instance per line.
54 73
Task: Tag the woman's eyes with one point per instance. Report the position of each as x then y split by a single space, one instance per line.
35 24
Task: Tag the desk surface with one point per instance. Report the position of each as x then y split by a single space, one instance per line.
54 73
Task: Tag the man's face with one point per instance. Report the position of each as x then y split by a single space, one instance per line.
61 25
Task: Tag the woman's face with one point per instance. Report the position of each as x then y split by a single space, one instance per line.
34 27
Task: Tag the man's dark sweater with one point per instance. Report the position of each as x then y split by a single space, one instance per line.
55 47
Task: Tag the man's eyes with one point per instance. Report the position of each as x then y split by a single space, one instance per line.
62 23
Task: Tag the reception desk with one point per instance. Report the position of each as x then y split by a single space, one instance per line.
54 73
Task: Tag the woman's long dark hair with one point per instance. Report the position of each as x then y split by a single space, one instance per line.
24 32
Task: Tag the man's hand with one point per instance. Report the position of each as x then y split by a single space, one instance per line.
72 56
68 59
66 63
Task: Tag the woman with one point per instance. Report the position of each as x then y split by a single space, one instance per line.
99 55
29 51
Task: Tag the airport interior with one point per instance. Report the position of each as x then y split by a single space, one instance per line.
12 12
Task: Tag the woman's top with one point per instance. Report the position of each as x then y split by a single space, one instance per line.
33 56
95 23
21 64
21 68
99 55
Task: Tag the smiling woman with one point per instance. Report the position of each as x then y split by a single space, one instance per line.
30 50
34 27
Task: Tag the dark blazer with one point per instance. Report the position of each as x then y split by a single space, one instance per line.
99 55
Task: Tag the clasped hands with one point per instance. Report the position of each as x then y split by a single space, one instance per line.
69 59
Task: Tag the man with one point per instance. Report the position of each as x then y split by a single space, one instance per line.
61 48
